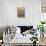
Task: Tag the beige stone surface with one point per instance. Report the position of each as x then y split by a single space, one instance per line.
42 41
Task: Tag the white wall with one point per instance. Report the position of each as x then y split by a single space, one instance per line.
1 18
32 12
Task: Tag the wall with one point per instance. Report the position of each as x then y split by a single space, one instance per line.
9 12
1 18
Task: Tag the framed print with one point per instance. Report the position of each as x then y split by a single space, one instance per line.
20 12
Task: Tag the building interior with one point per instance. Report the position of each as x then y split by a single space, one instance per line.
21 21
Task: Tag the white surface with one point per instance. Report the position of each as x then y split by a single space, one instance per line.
0 40
8 12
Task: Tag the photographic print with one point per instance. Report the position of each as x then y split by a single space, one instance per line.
20 12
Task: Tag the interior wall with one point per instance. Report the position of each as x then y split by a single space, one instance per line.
1 12
9 12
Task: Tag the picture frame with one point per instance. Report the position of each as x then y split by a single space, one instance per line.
20 12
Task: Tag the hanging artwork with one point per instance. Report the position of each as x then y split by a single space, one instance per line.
43 6
20 12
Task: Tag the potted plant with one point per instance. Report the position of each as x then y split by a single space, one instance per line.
41 27
34 39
